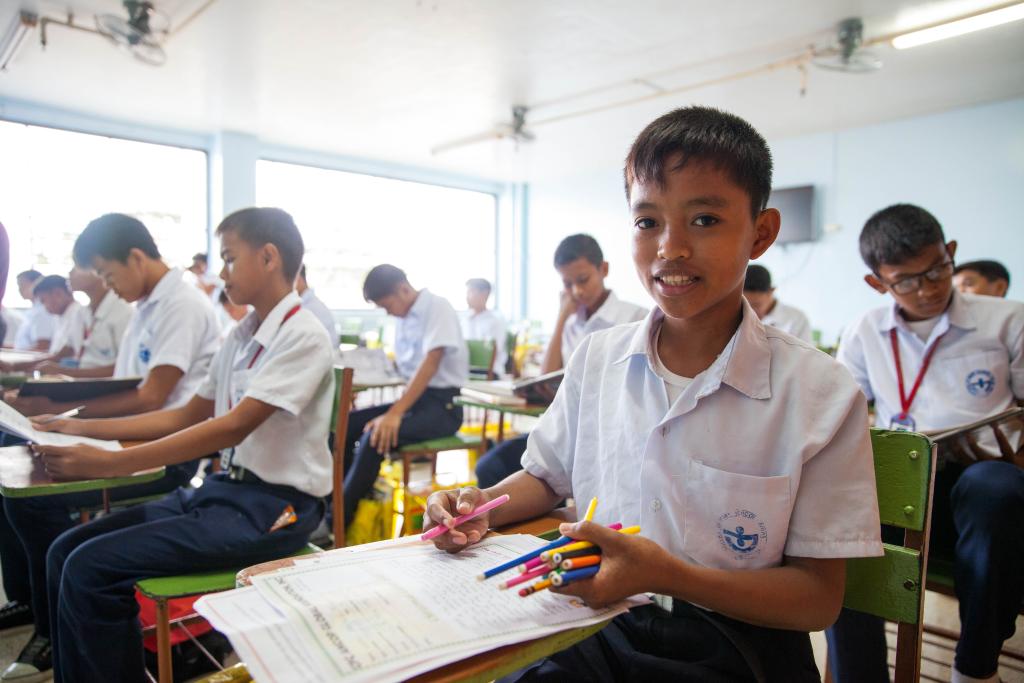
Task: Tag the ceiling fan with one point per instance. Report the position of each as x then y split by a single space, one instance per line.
140 33
514 130
847 54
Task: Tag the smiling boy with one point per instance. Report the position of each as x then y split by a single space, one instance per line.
707 429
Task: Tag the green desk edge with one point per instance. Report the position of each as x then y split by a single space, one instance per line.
78 486
530 411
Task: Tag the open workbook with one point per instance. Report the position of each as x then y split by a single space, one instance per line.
388 613
13 422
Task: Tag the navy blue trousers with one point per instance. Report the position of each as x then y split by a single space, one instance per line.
432 416
501 461
35 523
978 520
649 644
92 569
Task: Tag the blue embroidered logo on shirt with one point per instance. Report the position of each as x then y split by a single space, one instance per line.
981 383
742 533
144 354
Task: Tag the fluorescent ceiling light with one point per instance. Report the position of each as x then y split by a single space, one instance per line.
15 36
959 27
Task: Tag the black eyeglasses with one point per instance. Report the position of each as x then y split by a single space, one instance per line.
913 283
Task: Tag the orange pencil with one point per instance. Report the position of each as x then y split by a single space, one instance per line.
530 590
580 562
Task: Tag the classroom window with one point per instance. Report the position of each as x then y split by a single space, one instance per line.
440 236
56 181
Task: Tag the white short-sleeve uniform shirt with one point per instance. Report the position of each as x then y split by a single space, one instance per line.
790 320
13 322
175 325
431 324
487 325
312 303
64 330
977 369
96 336
37 324
612 312
292 371
766 453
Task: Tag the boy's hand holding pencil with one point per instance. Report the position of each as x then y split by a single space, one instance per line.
442 509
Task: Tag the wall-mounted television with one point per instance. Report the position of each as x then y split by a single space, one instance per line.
799 217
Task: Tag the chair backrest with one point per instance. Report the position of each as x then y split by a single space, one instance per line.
892 586
481 355
339 426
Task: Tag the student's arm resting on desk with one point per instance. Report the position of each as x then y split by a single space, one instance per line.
150 395
553 354
804 594
192 442
385 427
145 427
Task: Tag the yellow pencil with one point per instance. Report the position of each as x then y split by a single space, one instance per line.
580 545
589 516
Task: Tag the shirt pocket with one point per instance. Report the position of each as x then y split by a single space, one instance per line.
735 521
978 381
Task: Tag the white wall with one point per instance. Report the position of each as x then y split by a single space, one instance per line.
966 166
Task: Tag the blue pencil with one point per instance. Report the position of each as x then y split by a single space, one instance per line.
511 564
568 577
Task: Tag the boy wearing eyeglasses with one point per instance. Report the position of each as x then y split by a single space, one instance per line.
936 359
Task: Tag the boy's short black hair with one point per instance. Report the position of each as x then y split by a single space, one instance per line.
51 283
990 270
382 281
111 237
703 134
203 258
758 279
265 225
478 284
896 234
31 274
576 247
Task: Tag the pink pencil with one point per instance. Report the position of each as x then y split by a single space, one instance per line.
462 519
537 561
526 576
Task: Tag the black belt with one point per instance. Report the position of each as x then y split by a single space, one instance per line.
236 473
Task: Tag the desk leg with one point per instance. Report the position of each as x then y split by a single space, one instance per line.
501 426
163 642
106 501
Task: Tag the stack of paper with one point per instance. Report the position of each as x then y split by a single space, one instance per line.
388 614
13 422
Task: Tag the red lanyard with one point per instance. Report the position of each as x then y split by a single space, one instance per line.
86 333
907 401
289 314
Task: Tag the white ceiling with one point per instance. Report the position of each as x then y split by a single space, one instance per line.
390 79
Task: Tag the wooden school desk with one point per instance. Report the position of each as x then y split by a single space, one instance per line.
22 475
479 668
502 410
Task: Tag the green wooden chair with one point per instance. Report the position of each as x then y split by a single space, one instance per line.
892 586
165 588
481 357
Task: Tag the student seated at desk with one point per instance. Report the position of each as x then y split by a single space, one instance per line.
171 338
708 430
587 306
935 359
482 323
313 303
431 356
54 294
265 404
990 278
758 290
38 324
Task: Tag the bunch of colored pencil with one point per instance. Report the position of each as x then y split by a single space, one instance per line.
559 563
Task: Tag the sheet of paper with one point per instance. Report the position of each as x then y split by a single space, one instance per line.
372 615
17 424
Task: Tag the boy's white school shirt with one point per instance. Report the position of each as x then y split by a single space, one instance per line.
294 373
612 312
312 303
96 336
37 324
977 369
63 331
766 453
431 324
175 325
14 321
487 325
790 320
